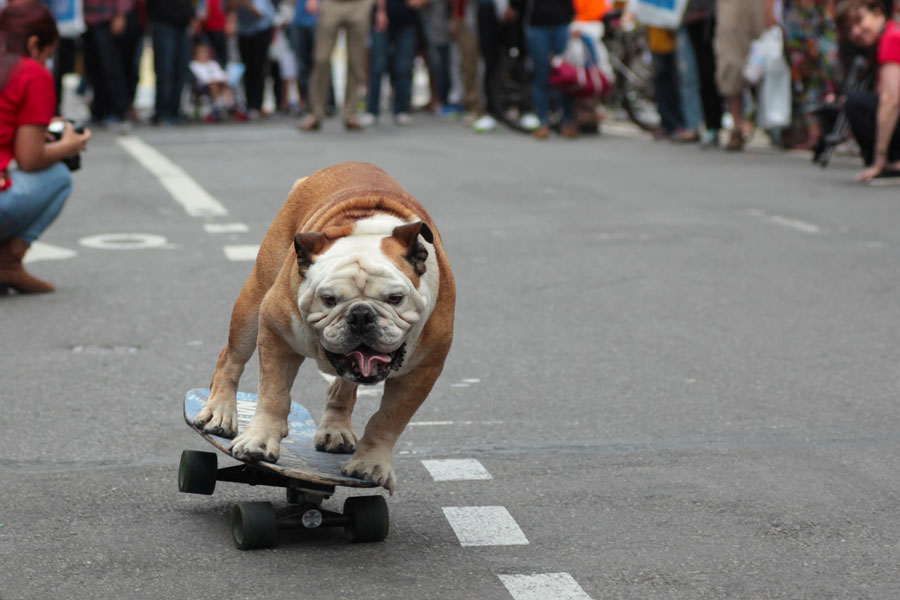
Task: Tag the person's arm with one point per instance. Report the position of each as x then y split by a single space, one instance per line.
381 18
886 119
34 153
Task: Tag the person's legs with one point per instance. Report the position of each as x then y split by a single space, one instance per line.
254 53
163 59
33 202
861 110
63 62
180 61
404 46
325 39
665 84
357 20
538 39
468 58
701 35
109 80
378 63
488 30
558 38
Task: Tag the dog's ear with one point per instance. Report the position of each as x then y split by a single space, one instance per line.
307 245
408 236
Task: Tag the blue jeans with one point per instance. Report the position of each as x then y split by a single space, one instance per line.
170 61
394 49
544 43
33 202
665 87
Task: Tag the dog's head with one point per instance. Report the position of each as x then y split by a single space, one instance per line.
362 296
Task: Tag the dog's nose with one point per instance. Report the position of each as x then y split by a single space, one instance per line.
361 317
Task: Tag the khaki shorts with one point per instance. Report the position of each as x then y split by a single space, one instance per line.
738 23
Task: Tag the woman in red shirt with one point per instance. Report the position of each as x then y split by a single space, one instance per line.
874 117
35 187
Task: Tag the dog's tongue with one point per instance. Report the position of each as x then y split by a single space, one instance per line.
367 360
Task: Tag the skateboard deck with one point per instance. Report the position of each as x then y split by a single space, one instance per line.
299 458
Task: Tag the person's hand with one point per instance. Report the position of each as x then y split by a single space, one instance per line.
381 20
868 174
416 4
72 141
118 24
312 7
510 15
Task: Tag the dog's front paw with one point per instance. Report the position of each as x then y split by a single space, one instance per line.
257 444
336 438
374 466
218 417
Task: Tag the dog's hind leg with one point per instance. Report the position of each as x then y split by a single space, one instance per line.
219 416
335 433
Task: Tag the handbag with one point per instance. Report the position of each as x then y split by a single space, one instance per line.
577 73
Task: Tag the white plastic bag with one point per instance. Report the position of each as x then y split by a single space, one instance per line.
665 14
775 96
764 52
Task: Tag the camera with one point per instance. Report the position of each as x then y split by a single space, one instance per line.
56 129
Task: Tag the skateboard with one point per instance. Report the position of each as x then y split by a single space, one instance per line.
309 476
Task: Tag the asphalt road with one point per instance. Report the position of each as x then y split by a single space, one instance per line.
678 367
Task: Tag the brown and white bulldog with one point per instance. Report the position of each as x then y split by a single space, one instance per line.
352 274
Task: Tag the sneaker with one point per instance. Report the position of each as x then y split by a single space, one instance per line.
367 119
484 124
403 119
529 122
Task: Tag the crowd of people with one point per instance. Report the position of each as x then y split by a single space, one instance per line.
843 59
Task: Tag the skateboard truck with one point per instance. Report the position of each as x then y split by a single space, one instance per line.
256 524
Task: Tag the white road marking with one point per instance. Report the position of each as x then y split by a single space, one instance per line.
471 380
226 227
124 241
41 251
801 226
241 252
558 586
196 201
484 526
456 469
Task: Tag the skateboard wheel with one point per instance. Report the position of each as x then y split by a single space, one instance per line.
253 525
197 472
368 518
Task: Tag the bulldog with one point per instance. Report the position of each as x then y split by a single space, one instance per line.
351 274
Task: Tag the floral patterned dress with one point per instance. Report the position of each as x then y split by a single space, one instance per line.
812 50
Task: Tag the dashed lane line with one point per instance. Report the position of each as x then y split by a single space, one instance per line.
484 526
196 201
241 252
226 227
456 469
543 586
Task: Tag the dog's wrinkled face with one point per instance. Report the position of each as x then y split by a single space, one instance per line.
361 306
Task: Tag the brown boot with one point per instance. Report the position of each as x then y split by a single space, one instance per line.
13 274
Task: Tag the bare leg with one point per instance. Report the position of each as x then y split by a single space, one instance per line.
336 432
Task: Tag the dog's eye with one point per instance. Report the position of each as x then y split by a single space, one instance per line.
395 299
329 301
